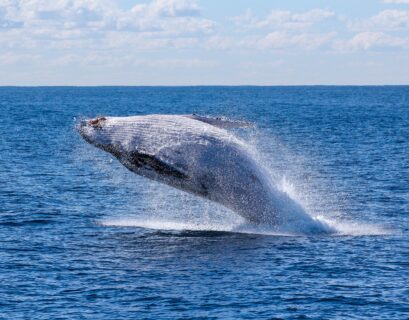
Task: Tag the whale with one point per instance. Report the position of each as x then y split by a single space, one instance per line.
199 155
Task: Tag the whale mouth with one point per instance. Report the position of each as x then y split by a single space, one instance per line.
87 128
93 123
97 122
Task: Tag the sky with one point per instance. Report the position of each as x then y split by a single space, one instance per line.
204 42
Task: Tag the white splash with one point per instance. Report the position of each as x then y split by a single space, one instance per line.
342 228
169 209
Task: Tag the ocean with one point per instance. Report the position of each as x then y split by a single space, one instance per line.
83 238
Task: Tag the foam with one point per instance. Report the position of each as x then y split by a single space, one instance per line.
342 228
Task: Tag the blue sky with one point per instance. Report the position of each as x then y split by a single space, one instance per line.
189 42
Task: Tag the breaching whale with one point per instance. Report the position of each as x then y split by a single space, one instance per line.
197 155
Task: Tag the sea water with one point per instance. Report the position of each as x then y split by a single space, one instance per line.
82 237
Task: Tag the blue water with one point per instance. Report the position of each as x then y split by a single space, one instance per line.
83 238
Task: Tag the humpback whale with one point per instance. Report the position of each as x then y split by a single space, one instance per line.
198 155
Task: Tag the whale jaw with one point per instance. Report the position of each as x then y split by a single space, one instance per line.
105 133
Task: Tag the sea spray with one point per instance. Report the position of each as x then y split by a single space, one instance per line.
177 209
265 198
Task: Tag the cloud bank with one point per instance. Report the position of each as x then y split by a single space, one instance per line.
171 34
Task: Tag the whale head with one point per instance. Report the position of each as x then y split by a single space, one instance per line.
143 145
97 132
116 135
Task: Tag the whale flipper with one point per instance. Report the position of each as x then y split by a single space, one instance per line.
221 122
151 162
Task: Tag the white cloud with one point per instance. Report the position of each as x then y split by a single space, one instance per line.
93 59
220 42
381 31
283 40
282 29
96 34
365 40
396 1
262 65
370 40
175 8
143 41
283 19
393 20
169 16
7 13
63 13
8 59
92 20
172 34
276 40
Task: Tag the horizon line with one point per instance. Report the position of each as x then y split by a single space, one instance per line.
202 85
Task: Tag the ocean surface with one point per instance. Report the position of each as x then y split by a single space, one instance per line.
83 238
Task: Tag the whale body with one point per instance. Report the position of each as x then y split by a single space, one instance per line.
197 155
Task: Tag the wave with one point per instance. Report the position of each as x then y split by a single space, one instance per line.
341 228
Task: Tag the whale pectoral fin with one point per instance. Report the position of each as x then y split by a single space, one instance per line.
221 122
148 161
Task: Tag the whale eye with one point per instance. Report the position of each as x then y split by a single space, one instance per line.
96 123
